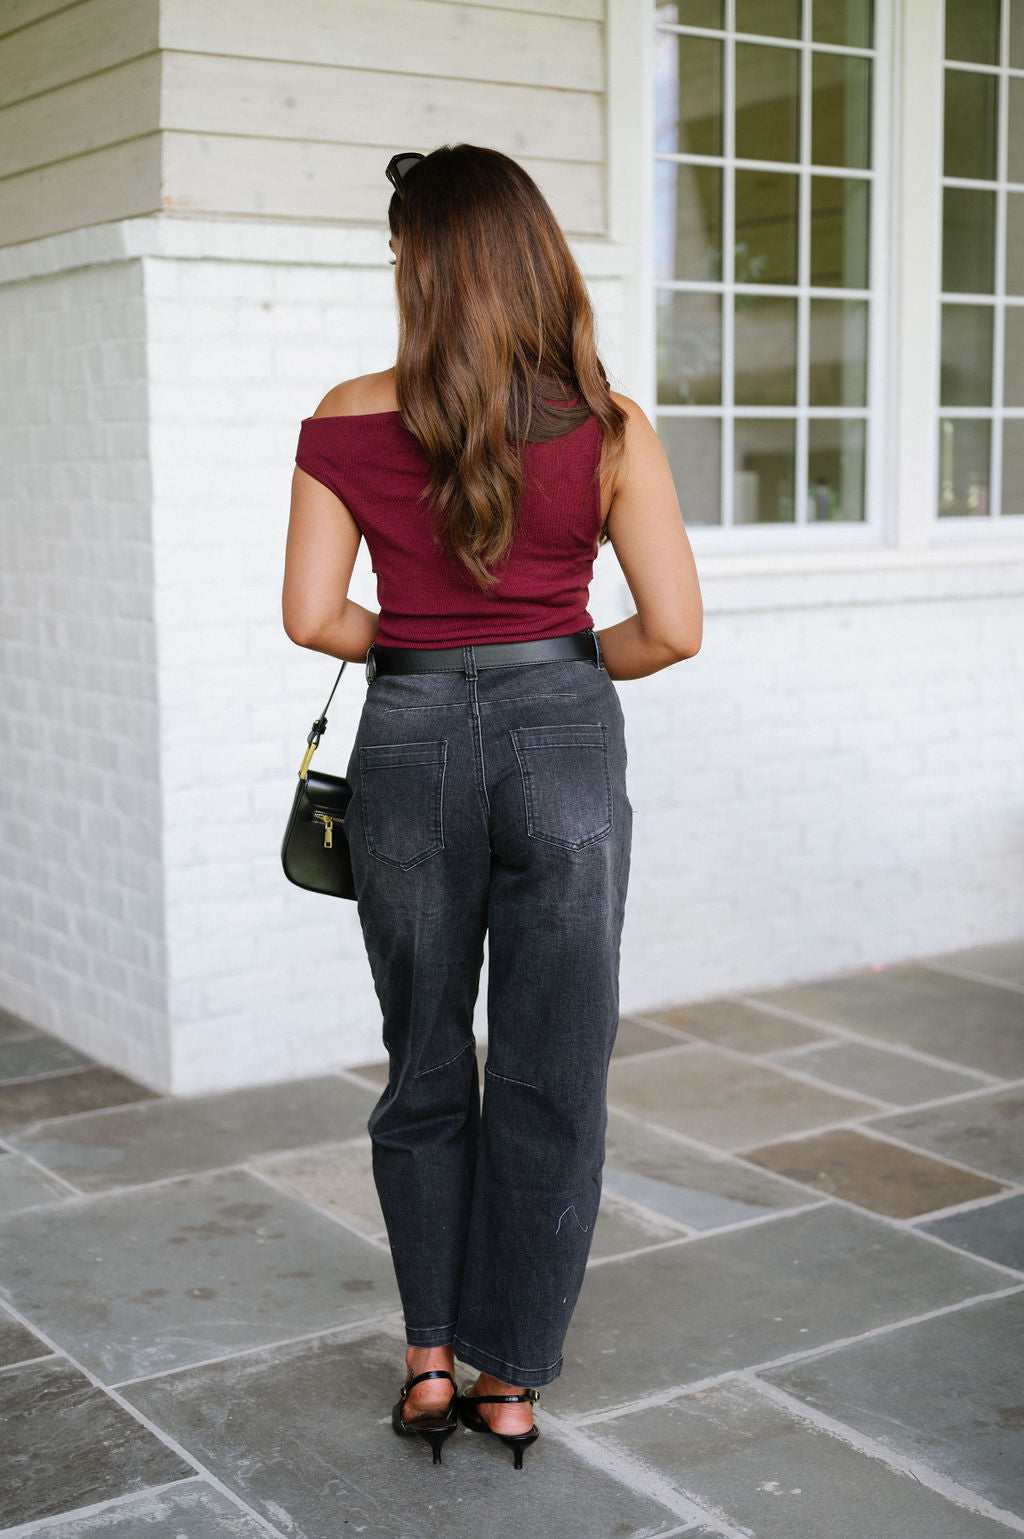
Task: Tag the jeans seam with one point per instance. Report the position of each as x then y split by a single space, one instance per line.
434 1067
516 1367
509 1080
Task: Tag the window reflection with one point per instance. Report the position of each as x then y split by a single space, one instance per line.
835 470
839 232
765 339
763 475
694 449
689 348
964 445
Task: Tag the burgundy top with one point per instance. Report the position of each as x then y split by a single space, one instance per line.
427 597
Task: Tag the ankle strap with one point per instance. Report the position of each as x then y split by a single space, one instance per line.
431 1373
528 1394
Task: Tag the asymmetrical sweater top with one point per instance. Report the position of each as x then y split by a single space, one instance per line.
427 597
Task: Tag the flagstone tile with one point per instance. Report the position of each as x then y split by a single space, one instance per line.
635 1036
13 1026
176 1135
134 1282
985 1131
39 1054
191 1510
946 1391
61 1095
994 1231
877 1072
17 1344
874 1174
978 1025
725 1101
23 1185
67 1444
1003 960
773 1474
742 1027
621 1227
337 1178
302 1433
721 1302
702 1191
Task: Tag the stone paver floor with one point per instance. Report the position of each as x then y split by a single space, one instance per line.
803 1316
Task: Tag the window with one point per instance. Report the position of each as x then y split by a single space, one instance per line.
981 389
765 306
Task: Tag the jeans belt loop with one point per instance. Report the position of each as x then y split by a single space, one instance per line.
371 666
597 648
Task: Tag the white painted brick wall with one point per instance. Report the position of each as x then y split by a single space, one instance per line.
81 883
832 781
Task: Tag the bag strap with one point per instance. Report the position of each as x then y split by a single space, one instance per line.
319 727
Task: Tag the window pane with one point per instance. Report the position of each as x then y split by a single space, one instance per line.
843 21
767 102
766 210
1015 146
968 240
835 470
694 449
1017 36
687 221
963 466
1013 365
839 232
691 13
1015 243
765 341
687 94
972 31
838 352
840 110
764 459
966 355
769 18
1013 468
689 348
969 125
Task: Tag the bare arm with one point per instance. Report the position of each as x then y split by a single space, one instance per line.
323 539
645 528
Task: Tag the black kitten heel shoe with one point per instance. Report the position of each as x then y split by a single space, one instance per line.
435 1426
517 1441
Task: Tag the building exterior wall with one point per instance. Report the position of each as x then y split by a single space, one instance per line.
81 879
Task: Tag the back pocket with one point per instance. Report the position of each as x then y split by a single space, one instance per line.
566 783
402 786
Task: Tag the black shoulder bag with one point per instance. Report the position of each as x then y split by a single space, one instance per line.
315 852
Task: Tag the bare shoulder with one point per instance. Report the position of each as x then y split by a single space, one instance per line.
361 396
638 425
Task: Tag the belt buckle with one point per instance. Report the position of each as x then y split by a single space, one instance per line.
371 664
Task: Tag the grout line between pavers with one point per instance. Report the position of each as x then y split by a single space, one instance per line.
808 1354
111 1391
954 971
284 1190
823 1201
851 1034
43 1074
44 1525
884 1136
924 1474
636 1476
36 1164
356 1329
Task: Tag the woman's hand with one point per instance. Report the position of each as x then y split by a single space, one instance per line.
323 539
645 529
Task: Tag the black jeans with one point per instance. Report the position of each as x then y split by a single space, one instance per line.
492 800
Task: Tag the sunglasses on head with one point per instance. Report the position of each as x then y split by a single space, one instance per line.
399 166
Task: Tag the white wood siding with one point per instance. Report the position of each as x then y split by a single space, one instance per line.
287 112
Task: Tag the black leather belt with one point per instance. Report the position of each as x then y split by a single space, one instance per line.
488 654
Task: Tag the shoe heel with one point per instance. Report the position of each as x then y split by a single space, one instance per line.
519 1445
436 1438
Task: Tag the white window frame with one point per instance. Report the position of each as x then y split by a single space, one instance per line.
901 481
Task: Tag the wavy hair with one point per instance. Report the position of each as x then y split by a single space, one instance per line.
496 342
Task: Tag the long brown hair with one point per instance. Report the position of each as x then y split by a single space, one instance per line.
496 341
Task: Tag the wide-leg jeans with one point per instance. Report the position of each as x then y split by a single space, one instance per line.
492 801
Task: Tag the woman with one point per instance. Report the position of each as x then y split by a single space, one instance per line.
488 770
